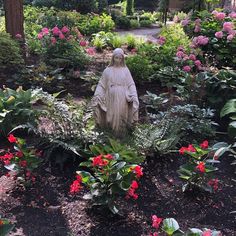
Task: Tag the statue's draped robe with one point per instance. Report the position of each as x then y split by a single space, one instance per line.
115 100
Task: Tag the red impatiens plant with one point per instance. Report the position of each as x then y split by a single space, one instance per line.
109 178
198 172
21 159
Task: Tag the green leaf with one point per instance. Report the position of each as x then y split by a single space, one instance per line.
229 107
194 232
119 165
170 225
5 228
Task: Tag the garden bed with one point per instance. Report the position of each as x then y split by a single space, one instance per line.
46 208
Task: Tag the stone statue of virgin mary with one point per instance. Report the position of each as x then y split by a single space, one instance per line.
115 100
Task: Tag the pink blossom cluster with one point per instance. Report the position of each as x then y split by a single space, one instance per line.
161 40
185 22
228 29
197 28
200 41
188 61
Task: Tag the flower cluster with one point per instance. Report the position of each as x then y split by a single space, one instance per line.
200 40
101 160
76 185
156 221
131 191
199 169
22 158
161 40
227 30
189 61
138 171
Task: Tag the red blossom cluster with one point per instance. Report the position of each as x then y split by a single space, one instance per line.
214 183
201 167
156 221
131 191
76 185
137 170
101 160
191 148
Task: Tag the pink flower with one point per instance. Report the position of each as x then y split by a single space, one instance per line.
70 37
228 26
220 16
53 40
180 54
180 48
61 36
219 34
45 31
192 57
200 40
161 40
65 30
90 51
83 43
206 233
185 22
230 37
18 36
197 63
198 21
187 68
197 29
156 221
40 35
232 15
56 31
214 12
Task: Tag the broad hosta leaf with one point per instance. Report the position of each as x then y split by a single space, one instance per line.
170 225
229 107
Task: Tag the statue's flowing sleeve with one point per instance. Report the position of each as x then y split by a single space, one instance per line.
99 100
132 97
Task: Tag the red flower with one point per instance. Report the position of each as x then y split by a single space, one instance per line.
33 178
137 170
7 162
28 174
12 138
83 43
7 175
182 150
20 154
76 185
206 233
156 222
214 183
154 234
23 163
1 222
98 161
109 157
201 167
191 148
131 191
204 144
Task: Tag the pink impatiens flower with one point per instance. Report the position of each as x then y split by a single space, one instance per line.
156 221
45 31
192 57
61 36
90 51
180 54
185 22
53 40
230 37
232 15
197 29
40 35
56 31
219 34
197 63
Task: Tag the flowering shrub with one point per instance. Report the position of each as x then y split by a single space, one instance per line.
171 227
5 227
63 47
199 169
110 177
21 159
215 34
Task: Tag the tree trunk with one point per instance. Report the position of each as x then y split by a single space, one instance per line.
14 17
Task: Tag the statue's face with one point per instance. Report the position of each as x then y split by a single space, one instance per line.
118 59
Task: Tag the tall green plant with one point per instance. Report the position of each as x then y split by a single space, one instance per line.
130 7
102 5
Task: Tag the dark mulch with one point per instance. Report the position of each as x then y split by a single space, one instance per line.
46 208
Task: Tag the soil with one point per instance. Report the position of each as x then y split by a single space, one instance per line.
46 208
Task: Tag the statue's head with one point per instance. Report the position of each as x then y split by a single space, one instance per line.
118 58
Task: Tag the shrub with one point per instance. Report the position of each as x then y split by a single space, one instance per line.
111 177
199 170
61 48
123 22
23 160
140 67
10 57
134 24
16 108
99 43
86 6
131 41
218 29
130 7
145 23
116 41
